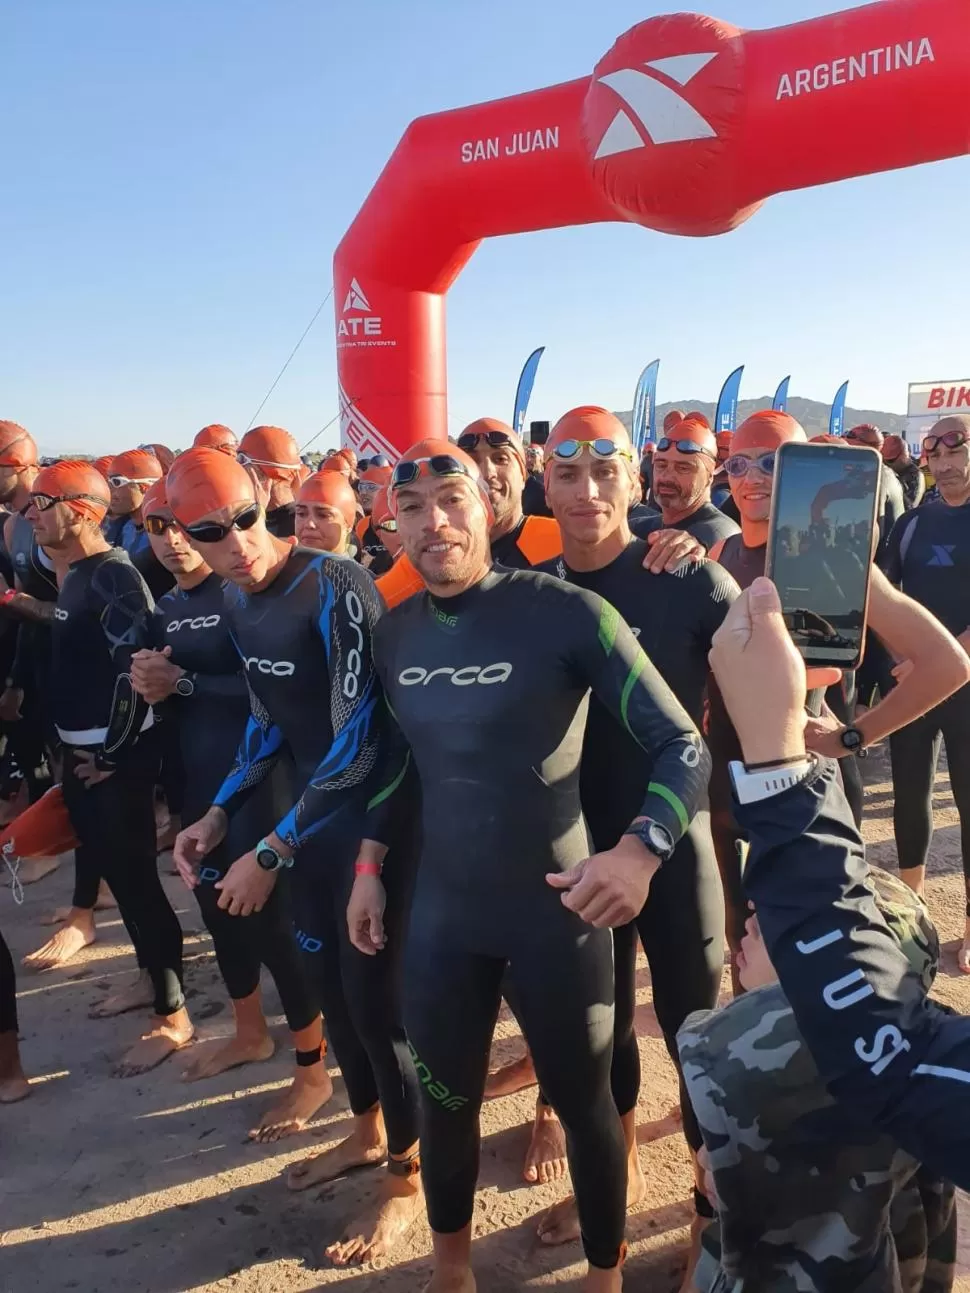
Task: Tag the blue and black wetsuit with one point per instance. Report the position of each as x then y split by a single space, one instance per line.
135 542
305 642
489 688
674 617
928 558
207 723
101 620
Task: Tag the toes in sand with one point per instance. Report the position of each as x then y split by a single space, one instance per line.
307 1093
382 1224
61 947
220 1056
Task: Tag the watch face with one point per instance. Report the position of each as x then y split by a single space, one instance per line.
660 839
851 738
267 859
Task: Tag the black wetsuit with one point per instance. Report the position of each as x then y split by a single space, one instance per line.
305 645
534 496
281 521
707 524
489 688
194 624
102 618
136 543
674 617
928 557
895 1058
33 738
913 483
8 991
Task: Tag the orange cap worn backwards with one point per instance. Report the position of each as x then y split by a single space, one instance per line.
136 464
482 426
272 450
767 429
206 480
426 449
673 418
331 489
216 436
83 488
17 448
588 422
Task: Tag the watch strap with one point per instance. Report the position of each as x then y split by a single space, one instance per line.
750 786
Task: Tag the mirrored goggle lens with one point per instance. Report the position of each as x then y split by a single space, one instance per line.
389 526
566 450
494 440
157 525
683 446
440 464
213 532
738 465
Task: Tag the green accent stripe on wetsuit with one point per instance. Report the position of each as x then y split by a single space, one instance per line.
630 683
390 789
609 623
672 800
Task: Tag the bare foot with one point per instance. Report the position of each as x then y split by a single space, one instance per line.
963 956
546 1159
382 1224
230 1054
362 1148
35 869
70 939
13 1089
462 1281
135 995
166 1036
560 1225
310 1089
13 1084
517 1076
104 901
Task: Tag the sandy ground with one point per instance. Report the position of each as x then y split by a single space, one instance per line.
150 1183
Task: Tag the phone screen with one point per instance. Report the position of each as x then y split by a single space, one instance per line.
820 547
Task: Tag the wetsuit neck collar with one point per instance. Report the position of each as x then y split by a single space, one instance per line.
452 605
605 554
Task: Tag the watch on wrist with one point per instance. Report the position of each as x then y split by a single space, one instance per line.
654 837
852 740
185 686
270 858
750 785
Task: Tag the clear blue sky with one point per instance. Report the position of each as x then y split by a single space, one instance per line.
176 176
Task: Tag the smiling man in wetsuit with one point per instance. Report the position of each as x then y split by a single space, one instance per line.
111 743
273 456
487 673
301 621
194 671
683 469
589 477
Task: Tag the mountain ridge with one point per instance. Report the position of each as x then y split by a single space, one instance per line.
812 414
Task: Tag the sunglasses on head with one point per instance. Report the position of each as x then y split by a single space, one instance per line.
157 525
737 465
116 482
949 439
439 464
215 532
43 502
567 450
683 446
494 440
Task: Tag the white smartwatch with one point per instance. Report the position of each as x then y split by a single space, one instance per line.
762 783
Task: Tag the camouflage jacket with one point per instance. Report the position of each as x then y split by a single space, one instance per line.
809 1200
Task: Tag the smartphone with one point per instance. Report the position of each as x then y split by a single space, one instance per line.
820 547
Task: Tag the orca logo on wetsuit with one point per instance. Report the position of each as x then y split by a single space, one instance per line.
465 677
355 660
278 668
60 614
200 622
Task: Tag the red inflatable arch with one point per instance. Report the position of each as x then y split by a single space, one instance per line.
685 126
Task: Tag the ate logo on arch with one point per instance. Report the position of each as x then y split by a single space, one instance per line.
360 327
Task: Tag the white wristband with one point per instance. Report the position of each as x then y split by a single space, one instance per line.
749 787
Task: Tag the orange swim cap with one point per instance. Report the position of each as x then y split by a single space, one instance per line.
689 429
42 830
433 448
892 447
381 510
156 499
331 489
377 475
767 429
206 480
83 488
672 419
103 464
136 464
17 448
868 431
725 439
216 436
698 416
588 422
337 463
482 426
272 450
162 452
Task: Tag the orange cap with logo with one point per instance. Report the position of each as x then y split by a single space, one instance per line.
136 464
206 480
17 448
426 449
83 488
216 436
767 429
272 450
331 489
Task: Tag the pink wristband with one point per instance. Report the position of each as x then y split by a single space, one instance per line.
367 868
